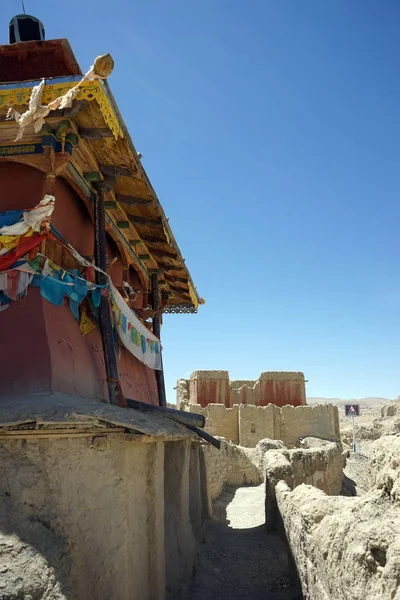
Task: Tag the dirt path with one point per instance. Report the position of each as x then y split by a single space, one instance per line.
239 559
356 480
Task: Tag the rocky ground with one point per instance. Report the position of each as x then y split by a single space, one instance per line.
374 423
239 559
348 546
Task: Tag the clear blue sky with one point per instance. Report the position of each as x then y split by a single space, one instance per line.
271 133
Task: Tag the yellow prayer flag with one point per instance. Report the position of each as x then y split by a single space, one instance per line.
85 324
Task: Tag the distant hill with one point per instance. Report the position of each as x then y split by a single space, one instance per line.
363 402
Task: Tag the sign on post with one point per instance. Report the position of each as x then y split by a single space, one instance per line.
352 410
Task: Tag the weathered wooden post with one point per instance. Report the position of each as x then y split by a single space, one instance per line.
162 398
106 328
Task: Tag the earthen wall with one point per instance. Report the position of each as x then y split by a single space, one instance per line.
247 425
98 517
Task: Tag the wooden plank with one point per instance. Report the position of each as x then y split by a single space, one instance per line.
77 432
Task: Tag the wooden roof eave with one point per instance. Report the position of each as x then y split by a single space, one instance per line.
164 219
20 96
116 216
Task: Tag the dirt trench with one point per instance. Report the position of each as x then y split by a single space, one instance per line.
239 559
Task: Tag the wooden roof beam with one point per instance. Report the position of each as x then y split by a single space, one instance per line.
168 268
74 110
94 134
153 239
164 253
179 290
134 200
177 279
136 220
114 171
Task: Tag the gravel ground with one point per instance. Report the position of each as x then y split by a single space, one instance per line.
239 559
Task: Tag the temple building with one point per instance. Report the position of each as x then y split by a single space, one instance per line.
280 388
88 261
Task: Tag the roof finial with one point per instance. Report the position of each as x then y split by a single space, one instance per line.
23 7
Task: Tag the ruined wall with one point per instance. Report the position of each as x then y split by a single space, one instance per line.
272 387
384 463
348 547
319 466
275 387
227 466
182 395
320 420
247 425
257 423
92 515
220 421
344 548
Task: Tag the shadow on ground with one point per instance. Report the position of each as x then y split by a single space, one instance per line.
239 559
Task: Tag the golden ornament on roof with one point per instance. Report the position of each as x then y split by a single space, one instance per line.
103 65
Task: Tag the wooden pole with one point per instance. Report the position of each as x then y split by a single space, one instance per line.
162 398
206 436
180 416
106 328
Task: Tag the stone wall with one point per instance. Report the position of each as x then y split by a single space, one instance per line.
214 387
247 425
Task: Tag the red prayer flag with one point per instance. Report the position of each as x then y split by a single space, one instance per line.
26 244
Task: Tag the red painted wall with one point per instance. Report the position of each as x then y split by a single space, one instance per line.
24 351
206 390
41 347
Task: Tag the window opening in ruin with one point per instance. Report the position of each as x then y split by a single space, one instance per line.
253 428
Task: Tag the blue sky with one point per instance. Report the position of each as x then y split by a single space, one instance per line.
271 133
